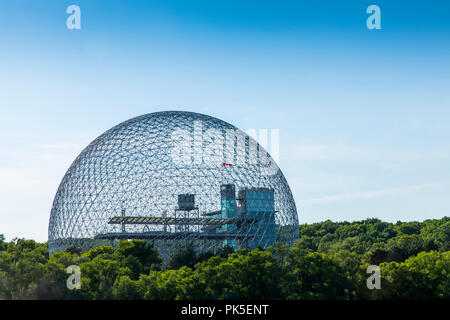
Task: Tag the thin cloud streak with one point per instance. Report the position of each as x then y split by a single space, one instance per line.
370 194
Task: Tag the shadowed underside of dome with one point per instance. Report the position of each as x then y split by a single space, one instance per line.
176 179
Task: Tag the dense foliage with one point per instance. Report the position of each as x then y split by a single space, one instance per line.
329 261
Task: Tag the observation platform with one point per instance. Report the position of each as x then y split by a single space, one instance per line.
179 221
157 235
165 221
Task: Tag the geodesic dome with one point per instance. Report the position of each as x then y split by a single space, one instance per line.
173 178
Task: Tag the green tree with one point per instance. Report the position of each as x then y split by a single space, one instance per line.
244 275
425 276
104 251
314 275
20 266
98 278
139 256
74 250
182 257
3 244
127 289
167 285
405 246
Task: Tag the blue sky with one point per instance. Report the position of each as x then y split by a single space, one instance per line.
363 114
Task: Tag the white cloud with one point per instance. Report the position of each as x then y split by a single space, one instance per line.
336 150
370 194
327 151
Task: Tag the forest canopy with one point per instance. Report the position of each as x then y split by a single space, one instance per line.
329 261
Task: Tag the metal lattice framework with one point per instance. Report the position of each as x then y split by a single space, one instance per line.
236 195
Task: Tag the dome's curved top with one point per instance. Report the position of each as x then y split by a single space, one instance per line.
140 166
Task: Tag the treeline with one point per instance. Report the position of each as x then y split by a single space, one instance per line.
329 261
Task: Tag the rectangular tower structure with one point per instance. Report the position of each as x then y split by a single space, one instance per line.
259 204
